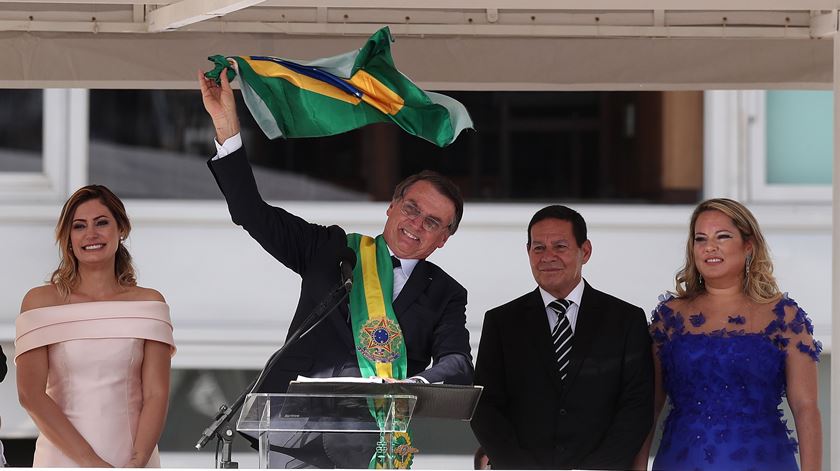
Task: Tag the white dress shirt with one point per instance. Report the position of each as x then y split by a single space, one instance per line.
231 145
402 273
572 312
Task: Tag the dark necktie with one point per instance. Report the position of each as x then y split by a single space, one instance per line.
395 261
561 335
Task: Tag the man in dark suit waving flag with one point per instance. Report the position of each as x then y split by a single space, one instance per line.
402 317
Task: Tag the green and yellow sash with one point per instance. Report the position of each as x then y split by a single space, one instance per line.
380 347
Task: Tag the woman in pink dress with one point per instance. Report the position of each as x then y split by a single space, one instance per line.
92 348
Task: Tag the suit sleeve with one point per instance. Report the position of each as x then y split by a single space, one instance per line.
491 425
454 368
288 238
634 415
3 368
452 362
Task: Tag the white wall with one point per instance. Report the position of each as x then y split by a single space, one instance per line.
231 302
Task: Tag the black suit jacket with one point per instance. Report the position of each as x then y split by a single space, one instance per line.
430 308
3 367
597 419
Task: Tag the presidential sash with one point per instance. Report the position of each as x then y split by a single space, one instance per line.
380 347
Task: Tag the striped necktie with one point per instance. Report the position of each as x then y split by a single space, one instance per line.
561 335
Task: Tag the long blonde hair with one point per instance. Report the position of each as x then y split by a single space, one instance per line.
759 283
66 276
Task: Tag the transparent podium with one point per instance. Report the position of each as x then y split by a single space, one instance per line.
272 417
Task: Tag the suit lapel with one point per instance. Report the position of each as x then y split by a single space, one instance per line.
414 286
586 328
539 334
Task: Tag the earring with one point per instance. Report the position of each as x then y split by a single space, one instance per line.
747 271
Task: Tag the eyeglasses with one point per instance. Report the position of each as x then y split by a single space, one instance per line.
430 224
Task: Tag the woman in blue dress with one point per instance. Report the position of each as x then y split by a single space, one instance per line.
728 346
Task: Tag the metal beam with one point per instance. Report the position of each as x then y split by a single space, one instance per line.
553 5
459 30
512 31
187 12
547 5
94 2
73 26
824 25
138 13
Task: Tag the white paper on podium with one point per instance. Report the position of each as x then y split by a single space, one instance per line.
341 379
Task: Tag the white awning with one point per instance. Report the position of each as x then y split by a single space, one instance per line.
441 44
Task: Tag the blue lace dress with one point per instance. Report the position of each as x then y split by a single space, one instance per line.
725 387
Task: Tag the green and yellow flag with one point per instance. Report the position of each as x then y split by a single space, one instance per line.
341 93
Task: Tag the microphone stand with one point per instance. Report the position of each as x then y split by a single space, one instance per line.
220 427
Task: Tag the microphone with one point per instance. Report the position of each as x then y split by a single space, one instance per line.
347 261
221 425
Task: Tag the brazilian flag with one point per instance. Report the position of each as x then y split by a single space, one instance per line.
341 93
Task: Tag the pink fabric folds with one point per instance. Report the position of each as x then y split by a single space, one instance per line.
95 354
148 320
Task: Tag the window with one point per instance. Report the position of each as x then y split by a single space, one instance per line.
42 145
798 137
21 136
527 146
791 146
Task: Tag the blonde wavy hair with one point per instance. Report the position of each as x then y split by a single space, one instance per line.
66 277
759 282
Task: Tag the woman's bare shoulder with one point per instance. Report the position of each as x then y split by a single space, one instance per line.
139 293
41 296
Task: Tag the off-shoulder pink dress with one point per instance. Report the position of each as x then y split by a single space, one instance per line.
95 354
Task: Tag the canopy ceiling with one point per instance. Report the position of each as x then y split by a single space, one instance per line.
442 44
